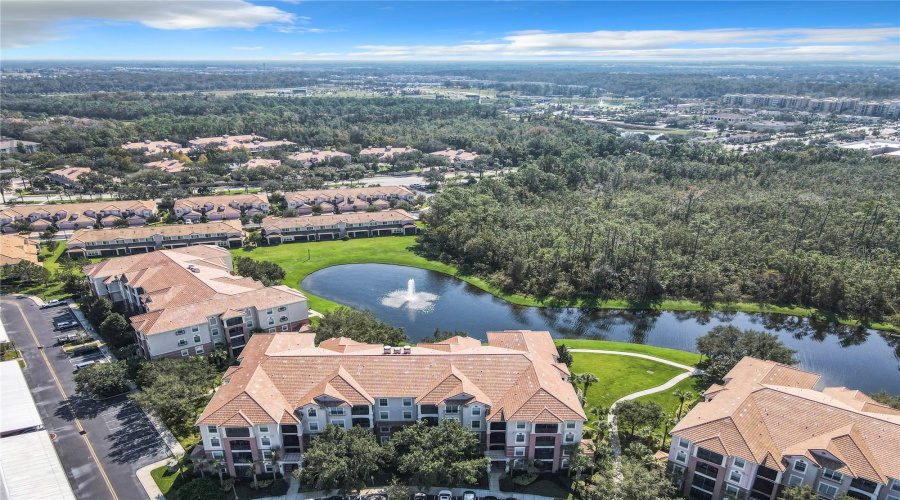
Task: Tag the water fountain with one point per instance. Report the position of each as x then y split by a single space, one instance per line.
409 298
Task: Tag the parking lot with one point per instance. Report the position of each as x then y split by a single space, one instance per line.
101 443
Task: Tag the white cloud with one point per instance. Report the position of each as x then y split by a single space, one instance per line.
720 44
304 29
246 48
28 22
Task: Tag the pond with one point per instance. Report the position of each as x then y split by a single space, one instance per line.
857 358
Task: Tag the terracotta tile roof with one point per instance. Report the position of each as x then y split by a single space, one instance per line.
168 166
316 155
152 147
262 162
64 211
756 418
456 155
310 196
15 248
248 199
91 235
385 152
516 384
71 174
275 224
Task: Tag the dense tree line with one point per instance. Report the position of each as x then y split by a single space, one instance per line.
812 227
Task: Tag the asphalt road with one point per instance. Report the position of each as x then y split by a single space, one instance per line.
101 444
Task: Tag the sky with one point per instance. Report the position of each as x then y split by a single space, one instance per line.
727 31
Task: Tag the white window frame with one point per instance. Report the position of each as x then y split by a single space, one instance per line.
797 464
184 353
521 426
681 456
382 402
830 489
741 466
519 451
407 415
198 349
195 329
384 415
314 427
197 338
265 441
311 412
799 480
407 402
520 435
476 411
212 429
339 423
476 425
284 328
683 443
734 490
264 428
215 442
832 475
212 320
731 478
571 425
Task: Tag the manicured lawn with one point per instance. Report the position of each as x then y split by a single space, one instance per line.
48 291
669 402
620 375
164 479
301 259
682 357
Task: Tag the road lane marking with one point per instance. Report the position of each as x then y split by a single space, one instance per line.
65 397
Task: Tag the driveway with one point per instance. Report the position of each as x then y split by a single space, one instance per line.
101 443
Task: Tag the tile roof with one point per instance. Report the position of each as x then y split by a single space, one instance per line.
516 384
316 155
262 162
767 411
167 165
309 196
272 224
69 173
385 152
86 235
152 147
248 199
68 210
15 248
456 154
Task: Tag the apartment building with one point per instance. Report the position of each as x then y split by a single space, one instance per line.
353 198
277 230
727 118
513 393
262 162
385 152
222 207
887 109
137 240
9 145
874 147
190 302
251 142
68 176
457 157
152 147
166 165
308 158
15 248
74 216
768 428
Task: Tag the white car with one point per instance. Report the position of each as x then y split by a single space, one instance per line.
445 495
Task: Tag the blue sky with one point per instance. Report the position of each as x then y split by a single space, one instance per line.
288 30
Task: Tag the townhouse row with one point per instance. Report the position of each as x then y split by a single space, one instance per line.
189 301
513 393
277 230
767 428
74 216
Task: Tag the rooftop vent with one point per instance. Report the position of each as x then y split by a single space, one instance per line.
192 268
407 349
387 349
398 350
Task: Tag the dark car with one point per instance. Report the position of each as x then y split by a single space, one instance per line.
86 349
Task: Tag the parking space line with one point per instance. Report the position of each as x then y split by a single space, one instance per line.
68 403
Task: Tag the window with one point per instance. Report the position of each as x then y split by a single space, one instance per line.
731 491
735 476
284 328
311 412
271 330
263 428
680 456
570 425
383 402
218 455
476 411
826 489
215 442
895 486
709 456
707 470
215 332
336 410
266 441
520 451
282 308
407 415
313 426
339 423
407 402
800 466
520 426
195 329
271 321
196 338
268 311
739 463
184 352
198 349
795 480
182 343
683 443
520 437
237 432
451 410
283 319
212 321
832 475
179 332
250 324
476 424
570 437
269 467
546 428
383 415
212 429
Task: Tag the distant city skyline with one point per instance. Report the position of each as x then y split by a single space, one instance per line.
451 31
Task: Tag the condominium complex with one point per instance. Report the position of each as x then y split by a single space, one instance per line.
457 157
768 428
72 216
308 158
335 226
135 240
152 147
385 152
251 142
15 248
68 176
222 207
512 392
353 198
190 302
887 109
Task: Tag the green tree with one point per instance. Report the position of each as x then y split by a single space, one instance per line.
201 488
102 379
343 460
98 310
683 396
447 454
634 414
886 398
176 389
442 335
361 326
725 345
115 329
268 273
804 492
565 357
637 482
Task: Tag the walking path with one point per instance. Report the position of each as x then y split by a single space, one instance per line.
614 442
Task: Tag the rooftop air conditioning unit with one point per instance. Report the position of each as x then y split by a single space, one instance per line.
387 349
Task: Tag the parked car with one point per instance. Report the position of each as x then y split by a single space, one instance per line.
79 366
420 496
65 325
445 495
70 337
53 303
87 349
469 495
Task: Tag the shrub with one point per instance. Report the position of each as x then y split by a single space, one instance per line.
202 488
525 480
278 488
345 238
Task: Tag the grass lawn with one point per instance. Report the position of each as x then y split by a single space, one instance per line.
620 375
401 250
682 357
164 479
669 402
48 291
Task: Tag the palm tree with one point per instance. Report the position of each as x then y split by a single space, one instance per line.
200 464
682 397
276 454
667 424
254 465
5 181
217 464
587 380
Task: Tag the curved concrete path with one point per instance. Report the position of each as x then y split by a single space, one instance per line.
610 419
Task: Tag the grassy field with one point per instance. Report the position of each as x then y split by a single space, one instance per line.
164 479
620 375
669 402
52 289
682 357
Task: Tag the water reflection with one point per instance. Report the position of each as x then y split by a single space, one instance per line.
852 356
